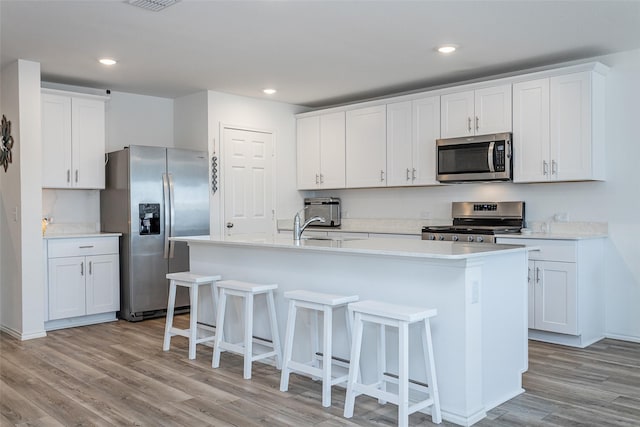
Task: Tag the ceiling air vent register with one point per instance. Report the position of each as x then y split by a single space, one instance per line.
153 5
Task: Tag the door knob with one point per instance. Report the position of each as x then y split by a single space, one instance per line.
229 225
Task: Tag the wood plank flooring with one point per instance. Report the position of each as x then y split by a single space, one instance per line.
116 374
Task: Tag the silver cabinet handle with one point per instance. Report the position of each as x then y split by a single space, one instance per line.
68 175
85 247
545 167
76 176
82 268
529 275
408 178
477 123
537 274
317 179
90 263
321 179
413 174
554 167
469 123
381 175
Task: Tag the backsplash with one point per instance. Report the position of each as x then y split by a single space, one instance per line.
71 211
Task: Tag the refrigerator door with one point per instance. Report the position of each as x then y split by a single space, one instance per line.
147 284
189 209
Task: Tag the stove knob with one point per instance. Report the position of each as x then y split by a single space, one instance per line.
470 239
480 239
441 237
454 238
432 237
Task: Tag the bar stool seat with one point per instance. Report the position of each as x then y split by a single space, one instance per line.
319 303
399 316
193 282
247 291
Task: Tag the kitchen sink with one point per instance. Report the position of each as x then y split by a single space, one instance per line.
332 239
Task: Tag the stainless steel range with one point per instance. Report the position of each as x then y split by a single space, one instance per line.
479 222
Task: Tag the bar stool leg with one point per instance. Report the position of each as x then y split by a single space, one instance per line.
215 363
275 336
169 320
315 344
382 360
288 346
354 366
214 299
327 361
403 374
248 335
432 381
193 321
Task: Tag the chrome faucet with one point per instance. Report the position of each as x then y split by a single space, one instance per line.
298 229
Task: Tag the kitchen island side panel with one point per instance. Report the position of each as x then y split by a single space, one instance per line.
479 333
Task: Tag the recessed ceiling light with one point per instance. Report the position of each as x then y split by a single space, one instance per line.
269 91
447 48
107 61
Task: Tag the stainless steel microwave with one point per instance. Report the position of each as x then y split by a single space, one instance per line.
475 158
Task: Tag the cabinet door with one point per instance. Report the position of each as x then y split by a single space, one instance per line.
531 131
457 112
366 147
66 287
332 150
571 127
87 142
426 129
102 284
492 110
56 141
308 152
399 144
556 297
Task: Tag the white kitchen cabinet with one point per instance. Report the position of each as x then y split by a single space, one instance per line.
73 140
558 128
83 280
412 130
321 151
366 147
479 112
565 290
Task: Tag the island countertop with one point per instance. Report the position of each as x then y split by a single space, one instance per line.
366 246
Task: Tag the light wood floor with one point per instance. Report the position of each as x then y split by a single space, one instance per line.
117 374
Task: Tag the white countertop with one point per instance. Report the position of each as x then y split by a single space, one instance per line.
78 235
373 246
554 236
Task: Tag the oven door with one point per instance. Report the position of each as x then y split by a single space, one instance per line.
479 158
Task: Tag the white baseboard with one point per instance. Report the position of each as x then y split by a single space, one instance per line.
623 337
20 336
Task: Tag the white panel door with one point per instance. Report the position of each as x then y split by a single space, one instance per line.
556 297
366 147
88 142
332 150
102 284
457 114
308 152
426 130
492 110
248 186
56 141
400 170
67 287
531 161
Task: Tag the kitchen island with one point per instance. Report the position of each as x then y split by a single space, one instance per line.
479 290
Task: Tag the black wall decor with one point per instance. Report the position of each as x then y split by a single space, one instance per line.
7 144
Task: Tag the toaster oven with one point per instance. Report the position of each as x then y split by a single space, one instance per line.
325 207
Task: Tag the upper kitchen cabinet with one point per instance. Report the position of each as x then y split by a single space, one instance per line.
366 147
73 140
412 130
558 128
321 151
479 112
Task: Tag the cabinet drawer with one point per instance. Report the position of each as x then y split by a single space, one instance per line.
82 246
550 250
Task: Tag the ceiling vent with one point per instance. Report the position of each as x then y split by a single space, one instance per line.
153 5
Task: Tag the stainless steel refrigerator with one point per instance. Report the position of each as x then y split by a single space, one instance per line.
151 194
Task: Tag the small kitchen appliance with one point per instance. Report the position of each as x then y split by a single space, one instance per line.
479 222
324 207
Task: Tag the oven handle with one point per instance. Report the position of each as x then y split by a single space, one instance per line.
490 156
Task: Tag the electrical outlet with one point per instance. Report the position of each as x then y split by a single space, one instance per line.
561 217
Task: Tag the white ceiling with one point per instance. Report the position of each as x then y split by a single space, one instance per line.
316 53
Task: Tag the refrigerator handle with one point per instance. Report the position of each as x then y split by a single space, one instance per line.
172 216
165 189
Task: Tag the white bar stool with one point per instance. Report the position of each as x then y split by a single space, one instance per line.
247 291
401 317
193 282
319 302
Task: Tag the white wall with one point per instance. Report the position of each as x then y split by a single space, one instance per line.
191 122
615 201
22 290
251 113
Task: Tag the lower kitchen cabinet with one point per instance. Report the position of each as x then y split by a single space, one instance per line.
565 280
83 281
